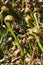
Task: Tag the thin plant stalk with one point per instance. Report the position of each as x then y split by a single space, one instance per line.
23 3
15 37
33 15
38 42
36 20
